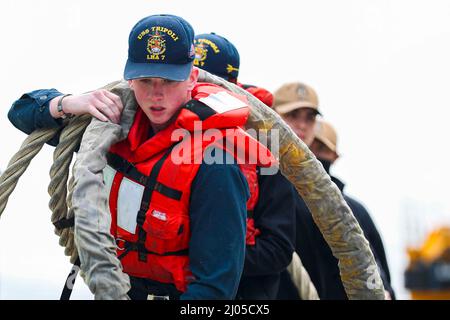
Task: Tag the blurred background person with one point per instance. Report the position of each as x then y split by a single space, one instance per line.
298 104
324 148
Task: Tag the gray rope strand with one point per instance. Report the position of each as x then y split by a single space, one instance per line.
59 174
20 162
71 249
301 279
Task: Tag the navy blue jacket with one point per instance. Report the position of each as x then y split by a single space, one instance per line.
217 208
274 216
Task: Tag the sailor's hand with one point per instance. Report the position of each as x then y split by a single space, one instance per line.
387 295
101 104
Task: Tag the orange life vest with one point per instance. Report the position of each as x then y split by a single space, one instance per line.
262 94
151 181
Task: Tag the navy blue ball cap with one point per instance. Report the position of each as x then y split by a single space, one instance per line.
160 46
216 55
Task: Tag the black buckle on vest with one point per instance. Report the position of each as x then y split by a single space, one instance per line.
64 223
143 180
127 167
142 251
142 255
168 192
140 219
202 110
159 187
127 247
121 244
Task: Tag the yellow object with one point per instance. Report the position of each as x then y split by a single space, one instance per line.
428 273
430 295
436 246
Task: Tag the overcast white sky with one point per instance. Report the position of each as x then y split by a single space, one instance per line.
381 70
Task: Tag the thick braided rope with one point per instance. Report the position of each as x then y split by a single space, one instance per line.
69 142
20 162
59 172
301 279
60 192
71 249
60 201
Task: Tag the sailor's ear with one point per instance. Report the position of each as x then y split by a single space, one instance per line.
193 78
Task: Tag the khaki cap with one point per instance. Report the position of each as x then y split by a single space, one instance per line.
325 133
296 95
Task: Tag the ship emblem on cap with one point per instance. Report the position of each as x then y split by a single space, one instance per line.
200 54
156 44
301 91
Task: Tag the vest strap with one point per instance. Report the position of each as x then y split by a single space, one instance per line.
247 86
64 223
146 200
134 246
168 192
126 168
130 171
202 110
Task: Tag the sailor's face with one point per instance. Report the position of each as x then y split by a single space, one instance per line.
161 99
302 123
321 151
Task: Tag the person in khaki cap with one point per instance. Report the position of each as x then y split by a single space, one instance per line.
324 145
298 105
316 255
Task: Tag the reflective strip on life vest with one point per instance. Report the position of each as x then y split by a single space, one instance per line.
108 178
222 102
128 204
